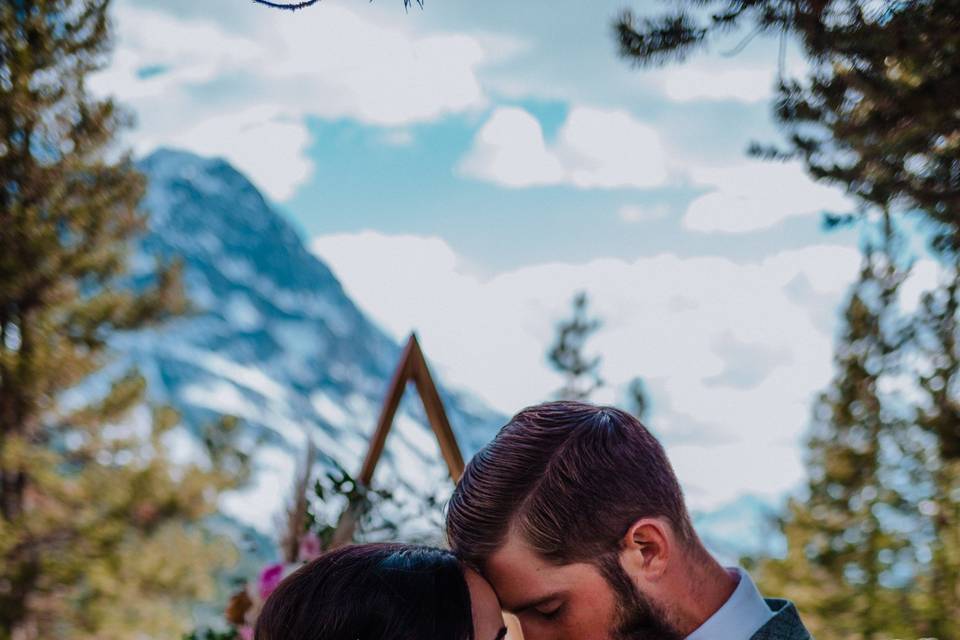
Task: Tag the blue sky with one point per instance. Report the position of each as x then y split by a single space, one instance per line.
468 167
361 183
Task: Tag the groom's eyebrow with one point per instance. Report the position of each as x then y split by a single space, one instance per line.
532 603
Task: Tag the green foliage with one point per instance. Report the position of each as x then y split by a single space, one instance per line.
939 421
339 487
877 113
100 532
872 546
844 545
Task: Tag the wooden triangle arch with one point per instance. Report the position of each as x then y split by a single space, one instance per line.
413 366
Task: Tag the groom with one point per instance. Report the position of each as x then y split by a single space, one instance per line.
574 515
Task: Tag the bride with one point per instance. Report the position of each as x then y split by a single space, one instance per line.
382 592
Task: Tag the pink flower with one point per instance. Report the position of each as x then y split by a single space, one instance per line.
309 547
270 577
246 632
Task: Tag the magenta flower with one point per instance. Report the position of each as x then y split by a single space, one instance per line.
270 577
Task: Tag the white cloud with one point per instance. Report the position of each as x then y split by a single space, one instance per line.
757 195
502 47
611 148
185 74
509 150
666 319
643 213
598 148
595 148
695 81
158 53
262 141
345 65
748 77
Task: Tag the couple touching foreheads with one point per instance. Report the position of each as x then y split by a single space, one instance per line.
571 519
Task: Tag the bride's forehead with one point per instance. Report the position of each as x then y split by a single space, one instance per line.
487 616
480 589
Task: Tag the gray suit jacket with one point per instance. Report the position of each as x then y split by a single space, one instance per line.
784 625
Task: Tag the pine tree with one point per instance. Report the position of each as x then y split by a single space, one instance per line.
877 113
582 372
99 534
567 353
848 563
939 444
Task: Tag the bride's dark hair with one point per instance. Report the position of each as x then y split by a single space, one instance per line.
371 592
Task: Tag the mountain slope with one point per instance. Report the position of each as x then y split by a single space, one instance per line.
274 341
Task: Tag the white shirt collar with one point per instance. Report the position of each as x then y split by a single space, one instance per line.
741 616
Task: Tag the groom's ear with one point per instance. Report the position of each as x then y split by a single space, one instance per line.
646 548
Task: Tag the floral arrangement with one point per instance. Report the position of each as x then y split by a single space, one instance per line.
244 606
309 532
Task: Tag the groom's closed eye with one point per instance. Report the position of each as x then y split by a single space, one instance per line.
502 634
546 603
550 610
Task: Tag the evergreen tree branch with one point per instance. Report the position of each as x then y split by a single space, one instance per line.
296 6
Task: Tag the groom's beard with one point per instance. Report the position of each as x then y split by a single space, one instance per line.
637 618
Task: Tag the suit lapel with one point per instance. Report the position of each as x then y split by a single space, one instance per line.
784 625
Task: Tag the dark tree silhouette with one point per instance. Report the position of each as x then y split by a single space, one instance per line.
288 7
876 113
567 353
295 6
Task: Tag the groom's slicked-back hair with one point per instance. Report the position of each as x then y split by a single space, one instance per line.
570 478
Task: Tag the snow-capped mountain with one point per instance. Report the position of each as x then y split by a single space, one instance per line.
274 341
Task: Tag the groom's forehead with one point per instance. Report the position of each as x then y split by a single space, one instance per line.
523 579
518 574
516 552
